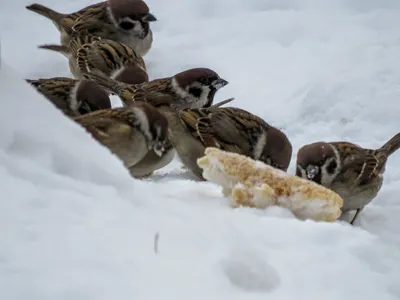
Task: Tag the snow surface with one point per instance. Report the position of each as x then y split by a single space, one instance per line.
74 225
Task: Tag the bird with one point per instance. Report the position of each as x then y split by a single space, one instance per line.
73 97
192 130
125 21
131 133
88 53
192 88
353 172
152 162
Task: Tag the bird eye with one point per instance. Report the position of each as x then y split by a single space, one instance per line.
205 80
126 25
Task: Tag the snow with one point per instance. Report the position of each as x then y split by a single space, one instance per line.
74 225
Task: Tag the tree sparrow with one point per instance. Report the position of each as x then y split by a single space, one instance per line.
125 21
231 129
73 97
193 88
112 59
355 173
131 133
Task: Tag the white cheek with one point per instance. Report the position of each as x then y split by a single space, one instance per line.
203 99
193 102
302 172
178 90
204 95
138 27
143 123
326 177
260 145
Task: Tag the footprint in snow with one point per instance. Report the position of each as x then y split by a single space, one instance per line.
251 273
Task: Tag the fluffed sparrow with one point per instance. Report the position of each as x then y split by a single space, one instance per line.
355 173
87 54
131 133
192 88
227 128
125 21
73 97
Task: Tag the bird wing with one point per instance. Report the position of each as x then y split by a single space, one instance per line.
365 167
57 91
104 122
92 10
94 56
152 97
67 24
227 131
87 17
58 87
127 93
212 128
125 54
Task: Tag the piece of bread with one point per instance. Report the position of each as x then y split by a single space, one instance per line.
255 184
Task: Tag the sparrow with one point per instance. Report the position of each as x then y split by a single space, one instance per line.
192 130
88 53
131 133
353 172
192 88
73 97
125 21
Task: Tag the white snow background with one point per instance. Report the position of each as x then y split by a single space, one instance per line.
74 225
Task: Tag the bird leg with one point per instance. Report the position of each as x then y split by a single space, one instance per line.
355 216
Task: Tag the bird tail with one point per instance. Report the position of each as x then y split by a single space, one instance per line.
392 145
223 102
46 12
58 48
31 81
109 84
34 83
112 86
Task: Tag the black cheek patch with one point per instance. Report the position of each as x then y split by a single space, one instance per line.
298 172
195 91
331 167
126 25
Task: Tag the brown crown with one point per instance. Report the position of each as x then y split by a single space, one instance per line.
314 153
187 77
124 8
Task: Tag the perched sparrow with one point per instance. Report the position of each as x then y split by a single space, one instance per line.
131 133
227 128
125 21
193 88
73 97
355 173
112 59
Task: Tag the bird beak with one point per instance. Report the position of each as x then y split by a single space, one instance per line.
219 83
311 171
149 18
159 150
